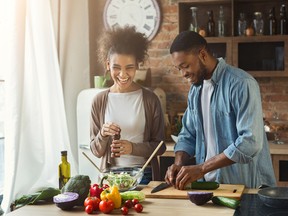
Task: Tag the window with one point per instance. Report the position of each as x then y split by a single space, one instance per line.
2 101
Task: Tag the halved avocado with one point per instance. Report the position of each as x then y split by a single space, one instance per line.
199 198
66 200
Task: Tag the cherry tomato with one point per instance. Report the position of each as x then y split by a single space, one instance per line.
124 210
89 209
128 204
135 201
106 206
88 201
138 207
94 201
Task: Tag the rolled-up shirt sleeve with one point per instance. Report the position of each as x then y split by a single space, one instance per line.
249 123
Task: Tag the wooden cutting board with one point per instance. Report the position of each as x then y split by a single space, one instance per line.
226 190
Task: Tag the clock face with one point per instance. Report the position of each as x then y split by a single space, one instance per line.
143 14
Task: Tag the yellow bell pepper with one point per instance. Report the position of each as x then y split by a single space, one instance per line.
112 193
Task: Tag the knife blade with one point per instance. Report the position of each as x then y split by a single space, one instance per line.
160 187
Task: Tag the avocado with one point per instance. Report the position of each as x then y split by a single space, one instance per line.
78 184
199 198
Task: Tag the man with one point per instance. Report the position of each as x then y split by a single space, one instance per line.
223 123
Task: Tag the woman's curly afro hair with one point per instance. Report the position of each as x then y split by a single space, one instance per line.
124 40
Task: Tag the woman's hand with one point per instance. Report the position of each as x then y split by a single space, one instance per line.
110 129
121 147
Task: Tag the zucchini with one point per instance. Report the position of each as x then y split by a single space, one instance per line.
203 185
129 195
225 201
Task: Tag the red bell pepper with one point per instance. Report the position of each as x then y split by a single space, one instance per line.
96 189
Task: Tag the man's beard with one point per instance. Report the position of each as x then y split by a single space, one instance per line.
202 74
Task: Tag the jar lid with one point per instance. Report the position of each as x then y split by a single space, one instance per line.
257 13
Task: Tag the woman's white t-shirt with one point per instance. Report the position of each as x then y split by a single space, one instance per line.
127 110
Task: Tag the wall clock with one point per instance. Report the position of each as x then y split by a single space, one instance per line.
143 14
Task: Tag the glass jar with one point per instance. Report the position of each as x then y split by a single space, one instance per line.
193 24
242 24
258 23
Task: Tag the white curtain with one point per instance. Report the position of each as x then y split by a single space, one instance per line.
35 125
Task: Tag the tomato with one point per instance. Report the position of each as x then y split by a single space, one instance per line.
89 209
138 207
124 210
88 201
128 204
135 201
93 201
106 206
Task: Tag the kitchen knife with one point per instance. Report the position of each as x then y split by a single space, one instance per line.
160 187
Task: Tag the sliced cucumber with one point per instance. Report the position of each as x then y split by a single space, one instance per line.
225 201
203 185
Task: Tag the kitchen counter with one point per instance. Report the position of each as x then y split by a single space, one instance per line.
274 149
151 206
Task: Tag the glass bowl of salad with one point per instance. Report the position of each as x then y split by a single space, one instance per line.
126 178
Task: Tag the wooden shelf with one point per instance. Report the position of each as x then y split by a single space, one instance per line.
261 56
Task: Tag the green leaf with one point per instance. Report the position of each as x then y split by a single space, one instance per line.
42 195
46 194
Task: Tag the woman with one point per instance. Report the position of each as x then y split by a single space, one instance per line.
126 110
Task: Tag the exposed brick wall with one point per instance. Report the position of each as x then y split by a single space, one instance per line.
274 91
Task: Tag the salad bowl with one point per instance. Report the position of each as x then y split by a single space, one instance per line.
126 178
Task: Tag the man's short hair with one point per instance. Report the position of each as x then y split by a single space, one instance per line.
187 40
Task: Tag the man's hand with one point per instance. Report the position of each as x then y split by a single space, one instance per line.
188 174
171 174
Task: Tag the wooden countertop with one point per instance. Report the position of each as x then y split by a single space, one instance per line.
152 206
281 149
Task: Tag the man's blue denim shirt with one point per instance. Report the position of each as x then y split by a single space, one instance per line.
239 129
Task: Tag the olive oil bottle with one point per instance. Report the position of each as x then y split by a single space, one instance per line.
64 170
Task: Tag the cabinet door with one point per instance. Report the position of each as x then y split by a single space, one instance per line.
262 56
221 47
280 164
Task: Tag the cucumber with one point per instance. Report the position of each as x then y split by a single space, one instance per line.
203 185
225 201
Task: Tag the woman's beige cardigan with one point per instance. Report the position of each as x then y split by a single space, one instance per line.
153 134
